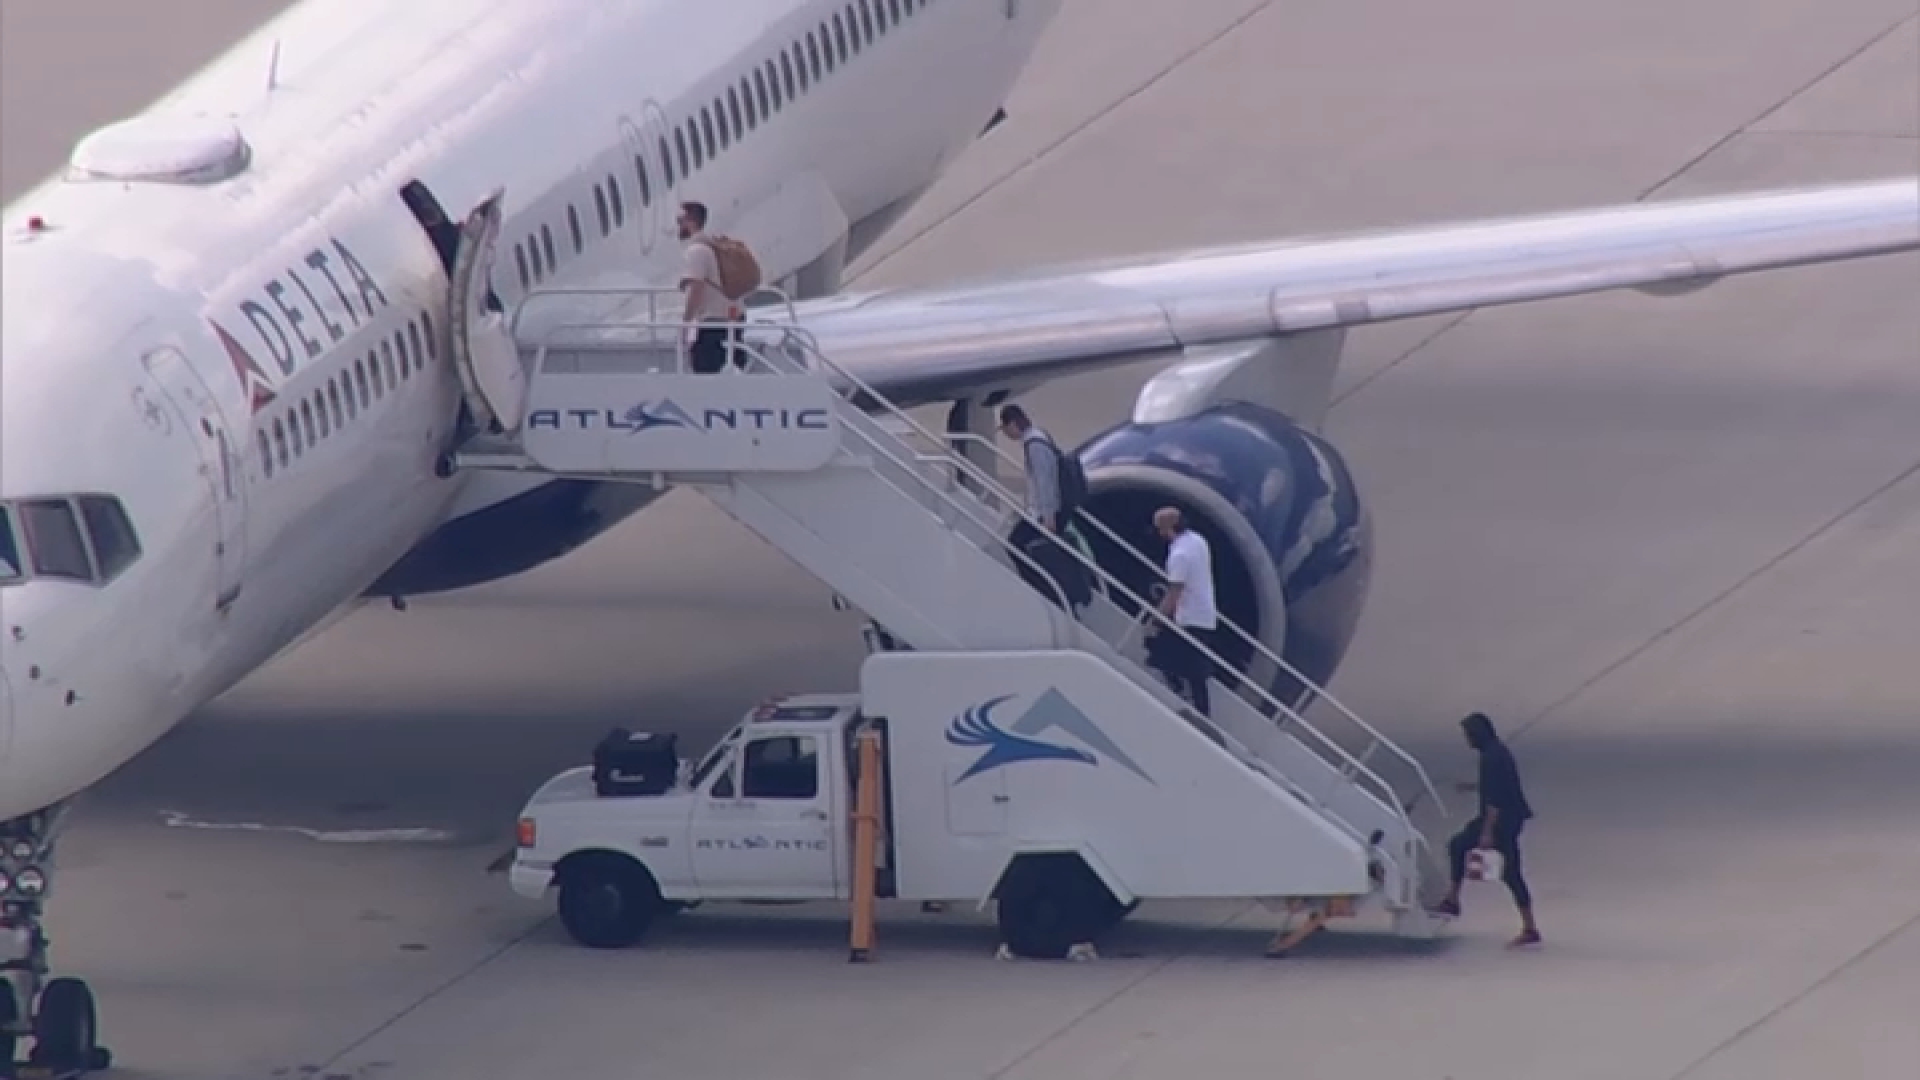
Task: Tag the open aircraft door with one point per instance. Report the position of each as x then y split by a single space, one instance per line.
483 351
649 154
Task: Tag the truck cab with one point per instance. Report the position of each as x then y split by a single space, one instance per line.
764 815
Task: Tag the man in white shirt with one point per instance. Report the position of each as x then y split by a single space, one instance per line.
707 303
1189 603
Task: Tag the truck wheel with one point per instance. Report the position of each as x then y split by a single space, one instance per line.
1049 905
607 901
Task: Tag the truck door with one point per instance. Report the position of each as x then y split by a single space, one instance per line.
766 827
483 351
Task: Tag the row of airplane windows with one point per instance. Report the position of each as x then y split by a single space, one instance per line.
728 119
73 537
334 405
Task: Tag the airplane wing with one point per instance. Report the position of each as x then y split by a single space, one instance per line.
917 346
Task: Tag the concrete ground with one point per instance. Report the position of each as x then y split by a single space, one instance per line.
1670 544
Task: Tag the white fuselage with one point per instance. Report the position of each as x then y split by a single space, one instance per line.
253 367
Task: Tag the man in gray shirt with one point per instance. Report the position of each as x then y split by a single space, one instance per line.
1042 460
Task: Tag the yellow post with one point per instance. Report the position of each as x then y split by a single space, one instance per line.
866 829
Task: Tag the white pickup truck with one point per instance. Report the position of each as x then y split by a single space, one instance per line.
997 783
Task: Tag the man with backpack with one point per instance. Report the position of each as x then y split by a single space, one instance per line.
1056 488
718 272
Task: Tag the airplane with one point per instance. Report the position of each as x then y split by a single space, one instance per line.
229 402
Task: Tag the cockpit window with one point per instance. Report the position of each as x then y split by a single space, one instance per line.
49 538
115 546
10 564
53 536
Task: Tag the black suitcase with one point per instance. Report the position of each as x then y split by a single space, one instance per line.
635 763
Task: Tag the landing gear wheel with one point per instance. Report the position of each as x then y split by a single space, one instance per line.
608 901
1047 906
66 1030
9 1015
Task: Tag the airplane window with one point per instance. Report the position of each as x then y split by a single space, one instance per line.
893 11
706 128
573 226
640 171
840 39
9 550
426 331
733 110
413 338
864 35
546 246
600 208
320 406
613 197
266 453
280 441
346 394
520 259
293 425
360 383
813 59
386 361
666 163
52 536
760 90
786 81
784 767
409 363
115 544
306 421
333 398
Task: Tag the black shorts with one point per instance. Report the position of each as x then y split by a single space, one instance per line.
709 351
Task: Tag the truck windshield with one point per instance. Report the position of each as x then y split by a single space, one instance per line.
713 759
9 551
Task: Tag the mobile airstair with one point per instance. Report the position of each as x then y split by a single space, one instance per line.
912 534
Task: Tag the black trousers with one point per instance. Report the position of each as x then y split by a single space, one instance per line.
1506 840
1062 573
709 352
1186 667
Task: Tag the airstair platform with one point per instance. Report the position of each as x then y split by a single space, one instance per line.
909 531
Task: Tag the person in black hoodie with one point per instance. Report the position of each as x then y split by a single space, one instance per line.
1504 811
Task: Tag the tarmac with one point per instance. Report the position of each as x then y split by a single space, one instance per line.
1669 545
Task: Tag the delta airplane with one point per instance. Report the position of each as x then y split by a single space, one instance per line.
227 386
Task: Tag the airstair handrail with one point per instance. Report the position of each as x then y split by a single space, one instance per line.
1351 767
1315 690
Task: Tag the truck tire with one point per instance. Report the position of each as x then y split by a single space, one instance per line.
1048 904
607 901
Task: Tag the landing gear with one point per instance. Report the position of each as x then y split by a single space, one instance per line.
56 1015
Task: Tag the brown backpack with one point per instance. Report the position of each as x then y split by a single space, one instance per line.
739 270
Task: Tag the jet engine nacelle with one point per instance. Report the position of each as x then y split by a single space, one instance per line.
1290 536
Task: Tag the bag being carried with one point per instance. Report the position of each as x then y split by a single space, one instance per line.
1070 479
739 270
1485 864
